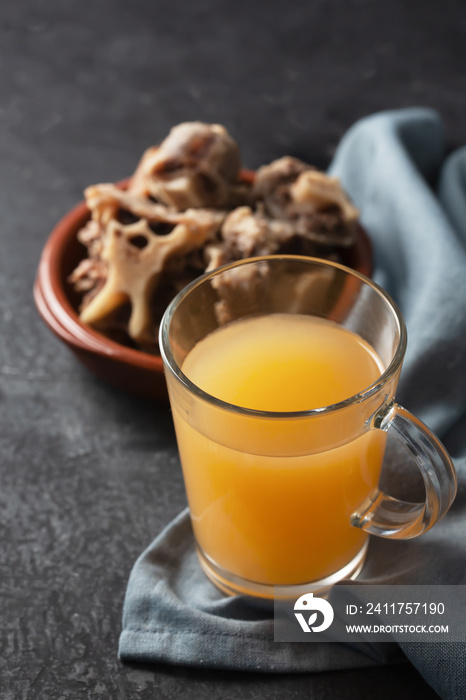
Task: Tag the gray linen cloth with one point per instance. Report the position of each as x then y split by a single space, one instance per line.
413 202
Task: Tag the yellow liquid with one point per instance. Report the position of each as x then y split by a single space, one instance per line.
271 499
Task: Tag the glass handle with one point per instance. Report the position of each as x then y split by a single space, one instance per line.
385 516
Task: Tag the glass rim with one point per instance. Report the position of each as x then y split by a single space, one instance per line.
170 362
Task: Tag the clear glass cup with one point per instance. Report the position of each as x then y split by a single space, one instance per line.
282 502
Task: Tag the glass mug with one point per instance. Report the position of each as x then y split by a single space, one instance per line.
283 499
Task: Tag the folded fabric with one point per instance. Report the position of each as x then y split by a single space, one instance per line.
413 204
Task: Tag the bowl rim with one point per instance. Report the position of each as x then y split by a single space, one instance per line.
57 311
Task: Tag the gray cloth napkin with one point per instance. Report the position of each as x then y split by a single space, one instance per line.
413 202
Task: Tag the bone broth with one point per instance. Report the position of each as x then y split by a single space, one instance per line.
265 504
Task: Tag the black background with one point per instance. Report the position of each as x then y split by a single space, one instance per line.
88 475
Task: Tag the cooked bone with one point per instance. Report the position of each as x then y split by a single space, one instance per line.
89 274
133 271
133 254
250 233
197 165
288 187
106 199
316 192
272 183
315 204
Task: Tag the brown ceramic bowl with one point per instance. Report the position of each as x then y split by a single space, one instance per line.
125 368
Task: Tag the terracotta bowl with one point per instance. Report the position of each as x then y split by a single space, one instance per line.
125 368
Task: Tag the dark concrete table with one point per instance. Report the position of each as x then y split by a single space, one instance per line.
88 475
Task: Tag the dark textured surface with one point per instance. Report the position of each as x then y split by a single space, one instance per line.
88 476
